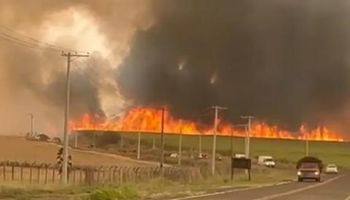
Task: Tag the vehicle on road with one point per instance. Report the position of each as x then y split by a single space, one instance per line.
331 169
266 161
309 168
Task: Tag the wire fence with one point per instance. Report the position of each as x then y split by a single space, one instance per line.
43 173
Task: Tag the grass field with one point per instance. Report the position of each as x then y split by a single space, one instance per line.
281 150
19 149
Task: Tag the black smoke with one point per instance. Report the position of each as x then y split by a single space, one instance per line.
285 62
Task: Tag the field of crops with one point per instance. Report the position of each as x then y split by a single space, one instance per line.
282 150
21 150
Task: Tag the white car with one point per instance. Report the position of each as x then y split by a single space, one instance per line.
269 163
331 169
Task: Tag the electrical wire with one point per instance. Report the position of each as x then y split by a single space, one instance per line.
14 37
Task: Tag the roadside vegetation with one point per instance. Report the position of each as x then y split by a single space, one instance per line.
154 189
285 152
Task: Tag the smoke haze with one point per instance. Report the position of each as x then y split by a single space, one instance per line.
285 62
32 80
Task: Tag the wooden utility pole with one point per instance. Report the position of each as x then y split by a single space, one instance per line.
69 56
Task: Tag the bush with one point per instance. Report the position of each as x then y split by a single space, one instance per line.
123 193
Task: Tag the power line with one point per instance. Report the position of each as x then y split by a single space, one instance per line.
14 37
25 43
34 39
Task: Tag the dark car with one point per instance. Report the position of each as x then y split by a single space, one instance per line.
309 171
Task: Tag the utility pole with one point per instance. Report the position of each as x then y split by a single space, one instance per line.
139 145
200 145
162 140
31 116
307 144
69 56
216 110
154 142
248 133
231 143
180 145
76 140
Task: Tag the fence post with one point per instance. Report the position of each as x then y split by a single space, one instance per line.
80 175
46 171
114 169
103 175
4 172
21 172
74 173
38 173
53 174
98 175
121 175
13 171
30 173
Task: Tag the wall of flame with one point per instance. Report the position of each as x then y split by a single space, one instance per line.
146 119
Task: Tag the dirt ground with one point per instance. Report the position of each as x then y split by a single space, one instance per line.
19 149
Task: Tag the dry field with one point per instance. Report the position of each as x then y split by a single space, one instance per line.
18 149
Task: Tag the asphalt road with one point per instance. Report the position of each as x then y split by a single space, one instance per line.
332 187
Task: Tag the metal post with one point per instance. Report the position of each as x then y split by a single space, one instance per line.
231 157
200 145
247 143
307 144
248 133
31 117
32 124
180 145
231 143
138 145
76 140
213 159
214 143
154 142
162 140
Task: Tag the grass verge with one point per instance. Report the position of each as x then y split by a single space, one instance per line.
155 189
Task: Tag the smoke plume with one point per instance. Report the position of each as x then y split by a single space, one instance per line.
32 80
285 62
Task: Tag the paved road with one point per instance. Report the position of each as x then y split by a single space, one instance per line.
331 188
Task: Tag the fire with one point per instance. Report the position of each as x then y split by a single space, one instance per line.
150 120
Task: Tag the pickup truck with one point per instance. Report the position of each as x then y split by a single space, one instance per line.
309 168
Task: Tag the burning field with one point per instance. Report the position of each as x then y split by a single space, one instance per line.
255 58
147 119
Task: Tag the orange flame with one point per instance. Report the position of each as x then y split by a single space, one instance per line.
149 120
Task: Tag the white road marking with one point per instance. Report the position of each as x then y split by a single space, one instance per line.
229 191
213 194
299 190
